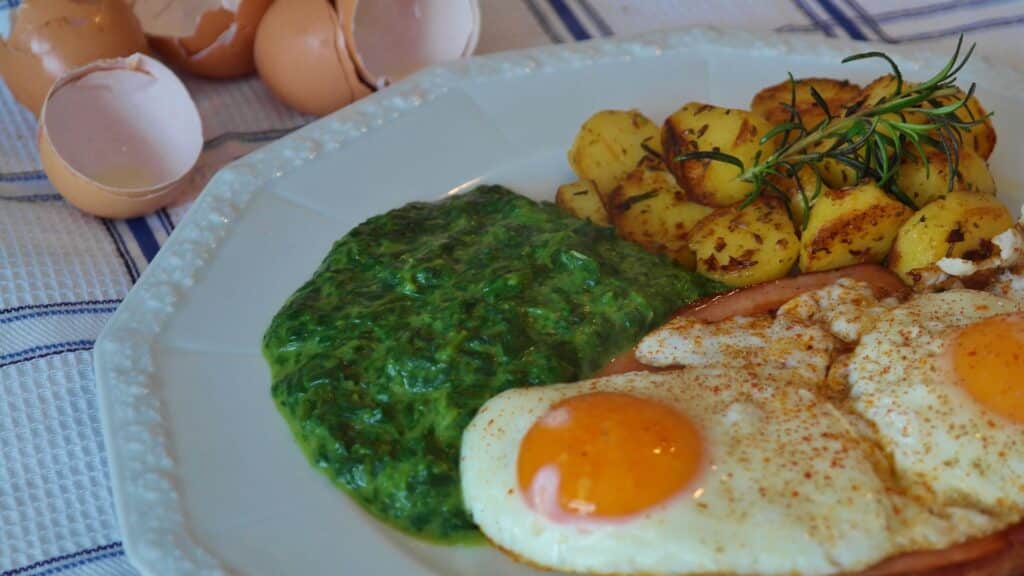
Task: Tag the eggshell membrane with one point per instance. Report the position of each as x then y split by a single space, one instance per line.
390 39
115 137
222 44
177 18
301 59
49 38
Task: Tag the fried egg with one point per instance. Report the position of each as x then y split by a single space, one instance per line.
939 379
799 351
702 470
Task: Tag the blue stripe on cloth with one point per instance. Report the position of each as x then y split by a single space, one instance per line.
568 17
817 22
963 28
32 198
51 305
165 220
80 563
68 312
44 350
851 29
122 249
595 17
865 17
144 237
63 558
543 22
888 16
27 176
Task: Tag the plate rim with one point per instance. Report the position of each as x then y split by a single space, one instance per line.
153 524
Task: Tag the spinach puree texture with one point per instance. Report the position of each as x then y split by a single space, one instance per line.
418 316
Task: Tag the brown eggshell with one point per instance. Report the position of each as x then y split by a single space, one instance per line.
297 56
390 40
222 44
48 38
116 137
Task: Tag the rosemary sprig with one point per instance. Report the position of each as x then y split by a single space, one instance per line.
871 138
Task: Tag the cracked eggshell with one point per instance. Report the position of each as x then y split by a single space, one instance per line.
48 38
117 136
221 44
391 39
298 57
318 55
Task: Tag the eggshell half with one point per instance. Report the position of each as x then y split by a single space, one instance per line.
48 38
222 44
390 39
299 57
116 136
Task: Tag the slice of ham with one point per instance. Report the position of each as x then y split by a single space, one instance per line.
764 298
1001 554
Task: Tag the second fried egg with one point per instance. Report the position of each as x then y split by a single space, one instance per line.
941 378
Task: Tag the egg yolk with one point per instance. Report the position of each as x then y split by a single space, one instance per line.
988 358
607 454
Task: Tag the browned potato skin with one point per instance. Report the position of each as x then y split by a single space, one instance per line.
582 200
958 225
698 126
745 246
770 103
648 207
789 185
611 143
981 138
852 225
924 183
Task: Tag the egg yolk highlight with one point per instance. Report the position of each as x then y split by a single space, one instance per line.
988 359
607 454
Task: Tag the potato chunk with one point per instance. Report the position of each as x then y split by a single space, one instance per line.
981 138
581 199
740 247
610 144
698 126
808 182
924 183
850 226
958 225
649 208
771 103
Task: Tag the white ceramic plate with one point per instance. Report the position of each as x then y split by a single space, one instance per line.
207 478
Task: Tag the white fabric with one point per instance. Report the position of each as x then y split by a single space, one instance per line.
62 273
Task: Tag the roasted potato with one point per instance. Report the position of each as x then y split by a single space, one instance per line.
884 88
698 126
850 226
926 180
981 138
958 225
771 103
581 199
806 181
649 208
740 247
610 144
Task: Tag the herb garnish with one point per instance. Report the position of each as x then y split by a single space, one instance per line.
870 138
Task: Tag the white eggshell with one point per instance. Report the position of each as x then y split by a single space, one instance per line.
176 18
390 39
116 136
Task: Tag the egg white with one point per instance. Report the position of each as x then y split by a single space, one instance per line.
788 486
949 455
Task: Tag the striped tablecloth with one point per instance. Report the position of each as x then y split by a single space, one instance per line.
62 273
